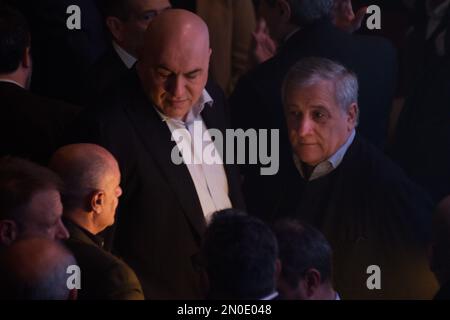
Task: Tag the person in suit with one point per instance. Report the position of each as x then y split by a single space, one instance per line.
126 22
30 202
241 257
35 268
365 205
30 126
306 262
91 194
166 204
62 56
302 29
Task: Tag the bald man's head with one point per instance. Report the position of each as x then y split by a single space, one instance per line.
173 65
88 170
35 269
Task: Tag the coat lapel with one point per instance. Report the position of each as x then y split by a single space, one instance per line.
156 138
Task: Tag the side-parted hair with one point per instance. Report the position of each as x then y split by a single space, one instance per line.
312 70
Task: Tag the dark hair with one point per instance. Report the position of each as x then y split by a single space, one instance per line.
14 38
19 180
302 247
305 12
115 8
35 269
241 253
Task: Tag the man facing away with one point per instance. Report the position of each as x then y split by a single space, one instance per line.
90 197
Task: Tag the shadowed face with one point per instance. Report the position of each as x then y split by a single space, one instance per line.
142 12
317 125
112 190
43 216
175 73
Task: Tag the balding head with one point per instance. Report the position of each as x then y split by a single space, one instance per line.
88 171
35 269
440 257
173 65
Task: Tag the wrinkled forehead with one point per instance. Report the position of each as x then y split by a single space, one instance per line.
314 92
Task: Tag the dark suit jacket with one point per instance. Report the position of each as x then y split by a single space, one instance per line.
103 276
371 214
160 222
443 293
422 142
256 101
31 126
101 78
61 57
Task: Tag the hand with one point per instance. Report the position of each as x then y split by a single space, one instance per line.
263 46
344 18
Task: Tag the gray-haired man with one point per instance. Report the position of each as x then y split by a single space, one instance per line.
374 217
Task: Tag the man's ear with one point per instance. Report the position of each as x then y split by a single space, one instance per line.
8 232
115 26
285 10
97 201
26 59
352 115
312 281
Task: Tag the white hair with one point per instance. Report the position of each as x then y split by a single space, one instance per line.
310 71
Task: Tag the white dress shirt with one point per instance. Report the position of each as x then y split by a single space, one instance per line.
126 58
11 81
210 180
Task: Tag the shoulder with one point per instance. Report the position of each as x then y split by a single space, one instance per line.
112 277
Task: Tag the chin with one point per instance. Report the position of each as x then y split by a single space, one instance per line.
309 160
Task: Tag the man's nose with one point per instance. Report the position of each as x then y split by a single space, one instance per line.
61 232
176 87
305 127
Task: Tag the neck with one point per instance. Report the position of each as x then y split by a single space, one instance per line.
16 76
326 292
83 219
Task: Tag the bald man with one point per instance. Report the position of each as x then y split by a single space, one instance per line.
440 248
91 176
165 206
36 269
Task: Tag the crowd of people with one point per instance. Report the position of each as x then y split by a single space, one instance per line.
88 134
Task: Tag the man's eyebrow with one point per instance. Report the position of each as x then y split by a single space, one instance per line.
319 106
193 71
161 66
